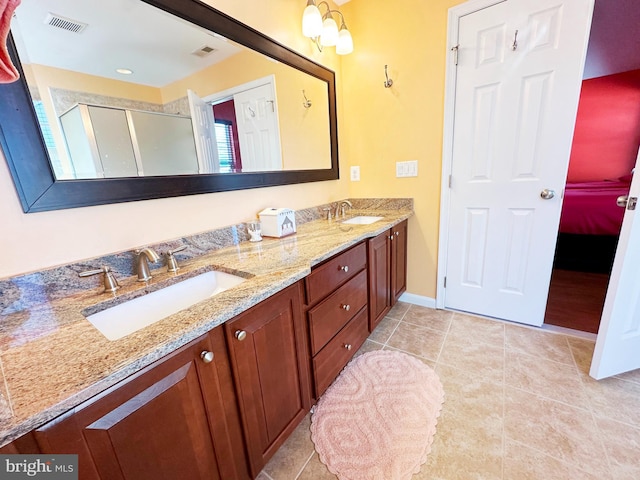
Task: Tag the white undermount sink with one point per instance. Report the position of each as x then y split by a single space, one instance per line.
130 316
362 220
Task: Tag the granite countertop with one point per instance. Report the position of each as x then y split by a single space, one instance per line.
52 358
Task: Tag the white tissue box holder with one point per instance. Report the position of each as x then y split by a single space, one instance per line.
277 222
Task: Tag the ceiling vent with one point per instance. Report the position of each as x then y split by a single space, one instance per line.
203 51
64 23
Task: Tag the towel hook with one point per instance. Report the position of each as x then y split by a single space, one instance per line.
515 41
388 82
307 102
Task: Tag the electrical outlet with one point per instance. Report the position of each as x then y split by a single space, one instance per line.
355 174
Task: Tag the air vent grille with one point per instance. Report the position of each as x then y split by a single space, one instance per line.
203 51
64 23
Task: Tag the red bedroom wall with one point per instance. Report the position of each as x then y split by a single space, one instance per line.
607 132
227 111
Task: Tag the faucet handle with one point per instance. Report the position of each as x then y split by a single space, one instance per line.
172 263
110 281
328 210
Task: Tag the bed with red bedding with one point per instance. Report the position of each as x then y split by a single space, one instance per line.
590 224
590 208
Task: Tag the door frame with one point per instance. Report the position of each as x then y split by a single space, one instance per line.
454 15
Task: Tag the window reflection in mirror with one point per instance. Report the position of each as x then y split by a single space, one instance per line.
101 124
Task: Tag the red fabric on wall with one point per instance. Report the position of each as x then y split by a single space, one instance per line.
607 132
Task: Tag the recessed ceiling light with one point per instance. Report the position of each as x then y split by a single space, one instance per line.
124 71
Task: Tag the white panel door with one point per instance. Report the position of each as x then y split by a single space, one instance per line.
618 344
204 132
258 129
518 81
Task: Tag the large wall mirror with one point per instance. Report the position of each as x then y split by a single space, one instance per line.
155 98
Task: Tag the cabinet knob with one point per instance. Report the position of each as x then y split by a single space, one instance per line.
347 346
345 306
390 237
397 234
240 335
344 268
207 357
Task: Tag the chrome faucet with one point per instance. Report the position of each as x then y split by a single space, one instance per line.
340 208
144 256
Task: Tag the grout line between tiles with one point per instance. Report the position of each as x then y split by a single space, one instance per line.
545 454
305 464
444 340
586 410
600 439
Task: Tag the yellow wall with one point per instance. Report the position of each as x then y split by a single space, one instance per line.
377 127
383 126
34 241
80 82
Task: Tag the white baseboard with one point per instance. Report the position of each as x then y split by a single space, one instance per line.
418 300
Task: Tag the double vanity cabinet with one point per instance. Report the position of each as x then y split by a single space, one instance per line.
220 406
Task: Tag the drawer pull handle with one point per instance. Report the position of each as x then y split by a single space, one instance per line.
344 268
345 306
347 346
240 335
207 357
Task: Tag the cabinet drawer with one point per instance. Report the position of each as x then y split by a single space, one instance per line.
332 358
330 275
329 316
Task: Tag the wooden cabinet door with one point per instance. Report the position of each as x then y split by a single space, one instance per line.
379 278
269 356
155 425
398 261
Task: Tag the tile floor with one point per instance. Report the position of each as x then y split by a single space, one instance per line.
519 404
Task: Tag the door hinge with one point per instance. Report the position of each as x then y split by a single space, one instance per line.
455 54
450 181
445 282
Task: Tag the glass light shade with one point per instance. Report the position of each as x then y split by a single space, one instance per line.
311 22
345 42
329 35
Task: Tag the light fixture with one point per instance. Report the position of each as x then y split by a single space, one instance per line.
124 71
323 29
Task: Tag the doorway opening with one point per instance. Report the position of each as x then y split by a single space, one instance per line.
605 144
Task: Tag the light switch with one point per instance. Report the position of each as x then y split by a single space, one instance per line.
412 168
355 174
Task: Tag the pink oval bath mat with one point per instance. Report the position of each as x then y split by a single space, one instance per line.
378 419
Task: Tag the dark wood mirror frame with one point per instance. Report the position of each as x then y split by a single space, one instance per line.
37 187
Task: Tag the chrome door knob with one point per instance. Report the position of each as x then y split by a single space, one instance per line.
547 194
240 335
206 356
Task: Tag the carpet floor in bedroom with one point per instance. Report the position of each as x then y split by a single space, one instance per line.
519 404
